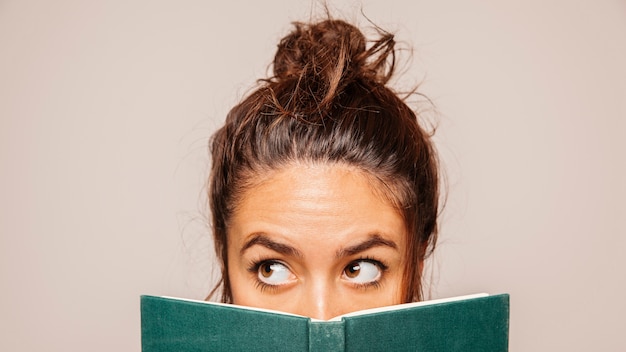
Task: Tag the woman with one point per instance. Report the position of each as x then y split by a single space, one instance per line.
324 187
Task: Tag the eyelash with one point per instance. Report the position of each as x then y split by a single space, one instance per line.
255 265
263 287
373 284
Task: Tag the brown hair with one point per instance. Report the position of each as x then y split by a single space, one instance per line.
327 101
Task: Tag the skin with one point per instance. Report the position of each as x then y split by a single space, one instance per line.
316 240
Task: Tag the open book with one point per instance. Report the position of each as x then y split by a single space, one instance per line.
466 323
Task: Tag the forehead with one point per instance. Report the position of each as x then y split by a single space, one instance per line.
308 203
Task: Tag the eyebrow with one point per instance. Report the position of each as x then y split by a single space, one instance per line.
262 239
374 240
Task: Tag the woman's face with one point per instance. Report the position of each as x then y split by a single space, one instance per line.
315 240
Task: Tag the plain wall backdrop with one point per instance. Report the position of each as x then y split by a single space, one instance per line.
106 108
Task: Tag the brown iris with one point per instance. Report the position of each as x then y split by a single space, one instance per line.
353 270
266 269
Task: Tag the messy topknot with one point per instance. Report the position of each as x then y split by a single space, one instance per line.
321 59
328 101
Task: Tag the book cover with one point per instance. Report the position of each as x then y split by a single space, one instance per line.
467 323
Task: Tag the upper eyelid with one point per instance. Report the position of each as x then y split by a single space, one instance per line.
255 264
378 262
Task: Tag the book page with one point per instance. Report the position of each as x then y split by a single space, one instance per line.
408 305
338 318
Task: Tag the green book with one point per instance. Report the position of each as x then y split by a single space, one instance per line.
477 323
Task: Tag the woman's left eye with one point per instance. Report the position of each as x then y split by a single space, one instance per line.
362 272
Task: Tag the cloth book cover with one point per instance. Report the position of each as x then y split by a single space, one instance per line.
475 323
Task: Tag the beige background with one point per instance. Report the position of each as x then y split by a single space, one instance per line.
106 107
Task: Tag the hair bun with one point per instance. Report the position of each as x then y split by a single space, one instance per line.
319 60
324 49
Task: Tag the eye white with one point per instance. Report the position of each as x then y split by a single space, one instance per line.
362 271
274 273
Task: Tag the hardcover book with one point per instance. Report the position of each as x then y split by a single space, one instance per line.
475 323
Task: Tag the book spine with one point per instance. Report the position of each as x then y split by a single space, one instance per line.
326 336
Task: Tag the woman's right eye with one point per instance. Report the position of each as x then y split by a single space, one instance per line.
274 273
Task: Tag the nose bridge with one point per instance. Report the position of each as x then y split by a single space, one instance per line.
321 299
